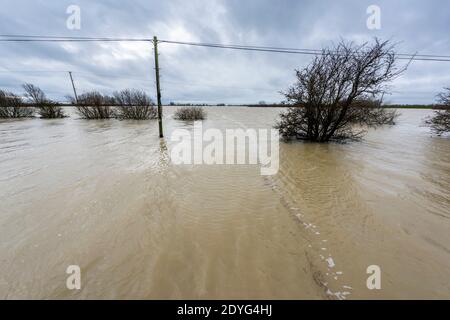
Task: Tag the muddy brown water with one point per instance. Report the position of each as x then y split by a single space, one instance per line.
104 195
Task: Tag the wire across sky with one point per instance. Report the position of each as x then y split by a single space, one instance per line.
303 51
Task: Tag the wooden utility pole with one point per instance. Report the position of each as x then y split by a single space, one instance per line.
158 89
73 86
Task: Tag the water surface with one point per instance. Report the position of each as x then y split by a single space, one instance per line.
104 195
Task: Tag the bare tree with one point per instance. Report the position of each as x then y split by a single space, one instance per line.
134 104
46 108
440 122
94 105
326 98
12 106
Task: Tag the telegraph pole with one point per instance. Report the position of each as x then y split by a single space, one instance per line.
158 89
73 86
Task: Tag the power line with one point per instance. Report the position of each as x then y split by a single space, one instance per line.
80 38
35 38
402 56
281 49
32 71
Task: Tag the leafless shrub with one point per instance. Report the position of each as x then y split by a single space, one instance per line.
190 113
134 104
440 121
324 98
46 108
11 106
94 105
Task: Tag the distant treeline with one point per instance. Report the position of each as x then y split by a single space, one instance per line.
388 106
415 106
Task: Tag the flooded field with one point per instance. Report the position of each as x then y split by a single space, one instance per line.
104 195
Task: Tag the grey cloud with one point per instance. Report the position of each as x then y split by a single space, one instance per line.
207 74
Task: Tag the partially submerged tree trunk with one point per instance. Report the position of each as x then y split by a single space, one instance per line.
326 99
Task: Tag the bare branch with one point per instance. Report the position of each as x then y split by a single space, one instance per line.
336 91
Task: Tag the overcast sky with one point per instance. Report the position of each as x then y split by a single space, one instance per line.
206 74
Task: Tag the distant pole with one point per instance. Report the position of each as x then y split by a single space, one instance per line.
158 89
73 86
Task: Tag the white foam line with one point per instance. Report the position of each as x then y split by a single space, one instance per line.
331 263
347 287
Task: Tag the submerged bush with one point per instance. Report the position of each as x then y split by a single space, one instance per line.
324 99
190 113
134 104
94 105
46 108
294 123
440 121
49 110
12 106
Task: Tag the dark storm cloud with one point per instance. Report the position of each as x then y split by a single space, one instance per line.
206 74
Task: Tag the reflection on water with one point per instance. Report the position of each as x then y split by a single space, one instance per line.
104 195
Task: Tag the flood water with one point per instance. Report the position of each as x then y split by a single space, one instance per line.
105 196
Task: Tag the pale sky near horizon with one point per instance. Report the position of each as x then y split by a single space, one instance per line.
211 75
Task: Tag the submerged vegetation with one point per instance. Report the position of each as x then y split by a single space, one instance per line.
11 106
46 108
125 104
94 105
134 104
329 99
190 113
440 121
